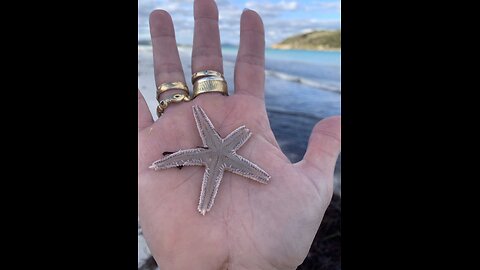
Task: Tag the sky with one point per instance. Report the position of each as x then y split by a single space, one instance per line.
282 18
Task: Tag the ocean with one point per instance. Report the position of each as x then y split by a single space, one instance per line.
314 74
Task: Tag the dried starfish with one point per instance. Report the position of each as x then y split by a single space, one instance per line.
217 155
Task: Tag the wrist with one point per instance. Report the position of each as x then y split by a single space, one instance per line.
180 264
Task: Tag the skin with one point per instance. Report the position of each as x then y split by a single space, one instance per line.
251 225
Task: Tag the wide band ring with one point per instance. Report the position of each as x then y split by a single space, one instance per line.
206 73
171 86
210 85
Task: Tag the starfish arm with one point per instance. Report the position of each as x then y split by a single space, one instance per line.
211 181
244 167
209 135
237 138
188 157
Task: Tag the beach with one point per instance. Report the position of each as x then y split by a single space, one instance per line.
301 88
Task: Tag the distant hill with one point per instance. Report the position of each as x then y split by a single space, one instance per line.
316 40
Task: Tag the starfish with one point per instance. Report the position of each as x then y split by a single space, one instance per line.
217 155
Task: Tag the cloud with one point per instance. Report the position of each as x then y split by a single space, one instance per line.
277 26
275 6
322 6
182 15
181 11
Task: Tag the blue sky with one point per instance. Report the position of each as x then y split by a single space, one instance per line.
282 18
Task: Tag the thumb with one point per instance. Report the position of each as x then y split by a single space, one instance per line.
323 147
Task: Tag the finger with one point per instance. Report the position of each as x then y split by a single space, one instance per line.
323 147
206 52
144 116
250 65
166 60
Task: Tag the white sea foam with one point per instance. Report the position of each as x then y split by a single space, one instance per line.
305 81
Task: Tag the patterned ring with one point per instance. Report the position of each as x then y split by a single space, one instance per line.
209 85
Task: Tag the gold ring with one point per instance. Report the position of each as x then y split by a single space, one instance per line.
210 84
171 86
206 73
176 98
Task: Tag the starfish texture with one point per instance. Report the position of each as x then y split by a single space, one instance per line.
217 155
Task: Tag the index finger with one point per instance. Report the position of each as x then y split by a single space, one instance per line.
166 60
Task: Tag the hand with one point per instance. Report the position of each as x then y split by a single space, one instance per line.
251 225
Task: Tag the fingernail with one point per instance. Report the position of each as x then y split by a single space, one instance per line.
245 9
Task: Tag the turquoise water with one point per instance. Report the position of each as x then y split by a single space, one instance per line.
316 69
313 57
314 74
328 58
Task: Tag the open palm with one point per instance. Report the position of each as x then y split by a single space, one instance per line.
251 225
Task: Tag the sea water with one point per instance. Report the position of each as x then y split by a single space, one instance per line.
299 81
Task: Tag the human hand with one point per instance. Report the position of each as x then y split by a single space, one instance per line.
251 225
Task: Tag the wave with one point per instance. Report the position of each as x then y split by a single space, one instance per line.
282 110
292 78
301 80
